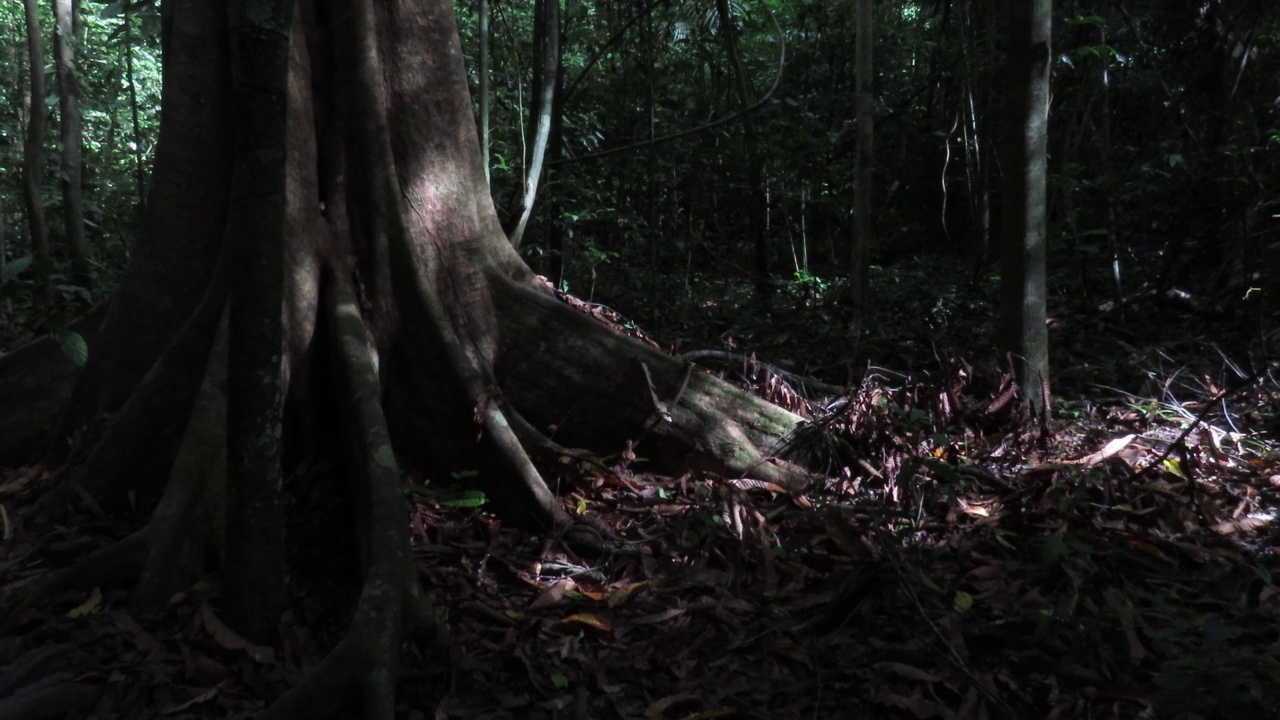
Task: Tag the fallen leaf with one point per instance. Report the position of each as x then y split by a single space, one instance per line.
907 671
598 622
141 638
622 594
660 706
205 696
917 706
719 712
1111 449
88 607
986 572
552 595
1241 525
230 639
789 649
1146 547
655 618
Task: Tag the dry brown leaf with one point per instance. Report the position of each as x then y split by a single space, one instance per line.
908 671
655 618
88 607
1111 449
787 648
1145 547
986 572
660 706
553 594
1137 651
230 639
917 706
722 711
1241 525
749 484
622 594
141 638
598 622
594 592
203 697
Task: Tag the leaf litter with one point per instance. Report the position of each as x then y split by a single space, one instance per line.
957 563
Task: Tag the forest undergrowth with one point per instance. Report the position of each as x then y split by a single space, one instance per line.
1117 560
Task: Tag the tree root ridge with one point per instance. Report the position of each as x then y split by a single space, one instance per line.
143 438
602 389
366 660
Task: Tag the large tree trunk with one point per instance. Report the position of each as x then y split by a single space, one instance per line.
408 322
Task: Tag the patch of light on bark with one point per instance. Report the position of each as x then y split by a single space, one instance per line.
384 457
441 193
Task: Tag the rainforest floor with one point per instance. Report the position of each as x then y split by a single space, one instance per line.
1120 560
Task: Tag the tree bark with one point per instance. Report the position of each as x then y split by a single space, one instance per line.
547 20
755 164
138 172
483 33
256 228
1023 281
33 157
173 260
864 158
71 126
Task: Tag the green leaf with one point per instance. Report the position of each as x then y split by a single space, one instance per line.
559 680
15 268
1263 574
1055 546
462 499
1086 20
73 346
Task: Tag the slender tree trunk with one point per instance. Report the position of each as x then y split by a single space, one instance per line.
139 174
483 32
1109 180
548 21
33 157
555 151
651 154
71 127
988 171
864 161
755 164
1023 281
